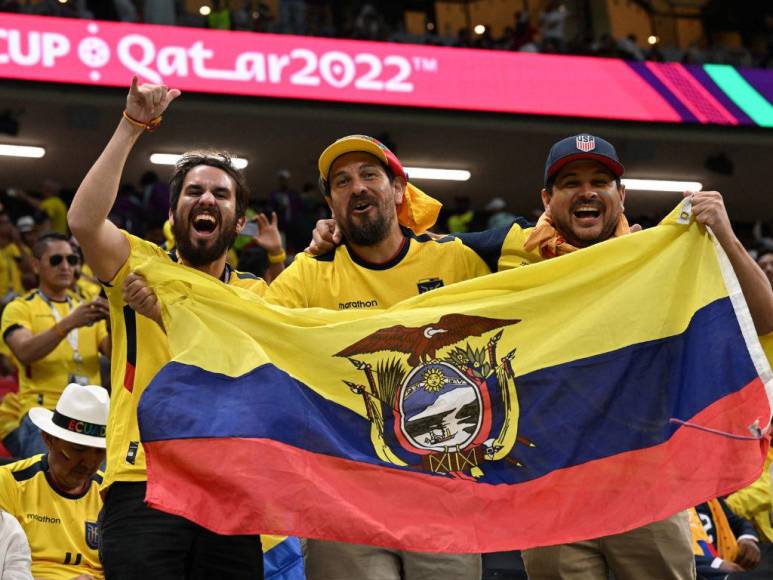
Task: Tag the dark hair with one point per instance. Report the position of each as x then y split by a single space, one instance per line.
40 246
551 182
217 159
324 185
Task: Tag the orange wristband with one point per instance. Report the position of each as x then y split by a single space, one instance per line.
151 125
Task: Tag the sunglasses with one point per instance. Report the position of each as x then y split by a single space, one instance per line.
57 259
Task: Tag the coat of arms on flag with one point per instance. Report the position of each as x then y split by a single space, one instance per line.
441 412
585 143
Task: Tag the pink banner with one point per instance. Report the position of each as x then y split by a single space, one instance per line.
267 65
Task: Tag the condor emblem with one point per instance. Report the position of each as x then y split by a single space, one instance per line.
449 405
92 535
429 284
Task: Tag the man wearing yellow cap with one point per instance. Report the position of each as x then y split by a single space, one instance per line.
384 258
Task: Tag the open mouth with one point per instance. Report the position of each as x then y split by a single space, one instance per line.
361 206
587 213
204 224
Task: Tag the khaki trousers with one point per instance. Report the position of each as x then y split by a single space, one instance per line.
658 551
339 561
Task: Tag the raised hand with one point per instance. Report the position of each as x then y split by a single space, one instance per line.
146 101
268 236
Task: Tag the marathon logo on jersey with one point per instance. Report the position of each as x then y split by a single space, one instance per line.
429 284
92 535
585 143
358 304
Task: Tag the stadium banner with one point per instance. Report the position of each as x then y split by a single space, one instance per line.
282 66
570 399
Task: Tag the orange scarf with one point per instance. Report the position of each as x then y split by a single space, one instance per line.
724 539
552 244
418 211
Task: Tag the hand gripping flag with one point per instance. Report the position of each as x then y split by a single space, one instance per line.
570 399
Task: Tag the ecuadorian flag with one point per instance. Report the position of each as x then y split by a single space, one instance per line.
570 399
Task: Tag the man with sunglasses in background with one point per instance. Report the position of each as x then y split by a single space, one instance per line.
54 336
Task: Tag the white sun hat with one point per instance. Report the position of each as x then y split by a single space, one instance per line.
80 416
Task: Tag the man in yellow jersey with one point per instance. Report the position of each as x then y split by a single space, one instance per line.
55 496
14 260
379 263
50 203
54 337
208 203
583 199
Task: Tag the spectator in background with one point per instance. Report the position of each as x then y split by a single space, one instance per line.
155 206
292 17
722 541
287 204
553 24
55 496
755 503
50 203
498 214
629 48
765 261
28 234
462 217
523 33
54 337
159 12
14 259
220 16
128 211
369 24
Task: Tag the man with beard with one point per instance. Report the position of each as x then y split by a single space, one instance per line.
208 200
380 262
583 200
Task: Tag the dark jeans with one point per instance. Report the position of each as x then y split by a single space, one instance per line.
137 542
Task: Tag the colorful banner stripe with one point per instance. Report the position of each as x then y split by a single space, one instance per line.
96 53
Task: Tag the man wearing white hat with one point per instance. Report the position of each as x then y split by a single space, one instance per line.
55 496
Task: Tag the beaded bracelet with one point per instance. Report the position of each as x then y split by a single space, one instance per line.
151 125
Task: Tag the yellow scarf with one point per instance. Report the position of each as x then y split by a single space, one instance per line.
552 244
724 538
419 211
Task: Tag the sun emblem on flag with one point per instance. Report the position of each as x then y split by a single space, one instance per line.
449 405
433 380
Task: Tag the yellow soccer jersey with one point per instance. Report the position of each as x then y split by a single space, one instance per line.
57 213
61 528
139 351
87 287
10 272
41 382
502 248
340 280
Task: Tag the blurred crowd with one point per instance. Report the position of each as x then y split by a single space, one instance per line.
548 32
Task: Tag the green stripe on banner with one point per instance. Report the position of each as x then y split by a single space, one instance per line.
742 93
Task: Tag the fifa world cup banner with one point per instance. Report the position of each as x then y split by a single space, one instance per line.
570 399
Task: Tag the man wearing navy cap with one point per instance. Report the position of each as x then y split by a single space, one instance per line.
583 200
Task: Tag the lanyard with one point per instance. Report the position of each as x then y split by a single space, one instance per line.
72 336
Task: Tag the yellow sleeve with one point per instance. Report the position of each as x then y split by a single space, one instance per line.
756 498
767 346
288 288
16 314
8 492
13 251
138 249
102 333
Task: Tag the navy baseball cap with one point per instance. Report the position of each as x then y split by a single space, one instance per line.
582 146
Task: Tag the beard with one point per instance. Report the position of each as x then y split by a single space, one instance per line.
366 231
202 252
